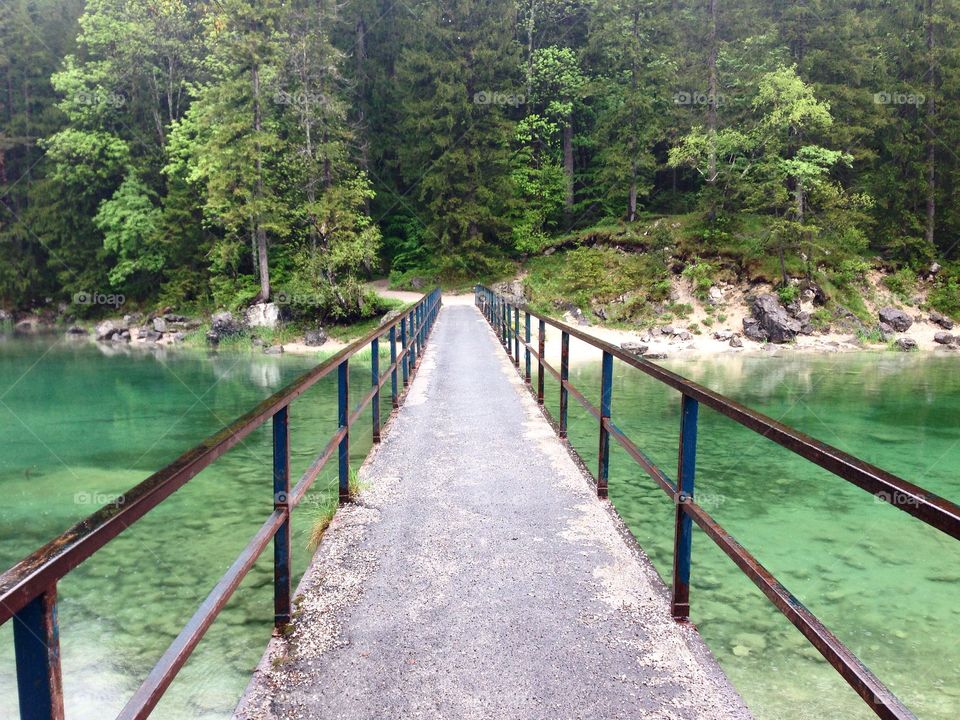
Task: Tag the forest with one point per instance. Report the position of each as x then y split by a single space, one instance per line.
220 153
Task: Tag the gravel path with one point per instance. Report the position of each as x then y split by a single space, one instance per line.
480 577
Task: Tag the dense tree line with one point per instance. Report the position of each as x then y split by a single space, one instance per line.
230 151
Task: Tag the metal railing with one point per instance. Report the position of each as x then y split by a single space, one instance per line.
504 318
28 590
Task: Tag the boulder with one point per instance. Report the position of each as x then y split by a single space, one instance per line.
132 319
724 335
178 337
5 316
27 325
315 338
213 338
736 342
171 318
265 315
389 318
76 330
273 350
159 325
753 331
635 348
812 292
716 295
669 330
944 338
224 324
106 330
656 332
685 336
897 319
774 319
906 344
600 313
941 320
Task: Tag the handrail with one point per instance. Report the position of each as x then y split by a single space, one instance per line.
504 318
28 589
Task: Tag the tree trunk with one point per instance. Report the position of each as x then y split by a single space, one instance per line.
931 224
530 31
712 52
633 192
260 231
568 162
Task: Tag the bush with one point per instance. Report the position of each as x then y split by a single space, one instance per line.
902 283
700 274
788 293
852 272
945 296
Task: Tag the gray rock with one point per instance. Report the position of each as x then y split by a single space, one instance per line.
944 338
76 330
159 325
171 318
600 313
656 332
897 319
389 318
774 319
315 338
724 335
669 330
941 320
265 315
635 348
106 330
213 338
716 295
273 350
224 324
6 316
753 331
178 337
656 356
906 344
736 342
685 336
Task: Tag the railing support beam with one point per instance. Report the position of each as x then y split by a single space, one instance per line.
281 501
606 403
564 376
36 639
343 416
375 380
542 348
683 531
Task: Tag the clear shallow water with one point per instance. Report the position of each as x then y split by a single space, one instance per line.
886 584
79 428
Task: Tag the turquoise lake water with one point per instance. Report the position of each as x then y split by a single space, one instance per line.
81 424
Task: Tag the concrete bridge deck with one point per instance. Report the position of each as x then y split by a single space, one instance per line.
478 576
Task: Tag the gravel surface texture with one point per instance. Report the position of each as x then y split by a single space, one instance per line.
478 576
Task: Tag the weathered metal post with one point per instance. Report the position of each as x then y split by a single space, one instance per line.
343 406
375 379
564 376
281 501
606 402
405 351
526 353
36 642
683 536
394 390
542 348
413 340
516 336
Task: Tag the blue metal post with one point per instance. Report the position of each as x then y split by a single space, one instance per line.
406 352
394 390
281 501
343 407
526 354
542 347
606 402
683 537
516 336
36 644
375 379
564 376
413 340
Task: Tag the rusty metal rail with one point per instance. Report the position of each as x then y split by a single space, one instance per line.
28 590
504 318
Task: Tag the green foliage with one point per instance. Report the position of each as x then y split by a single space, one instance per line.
788 293
701 275
945 295
903 283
